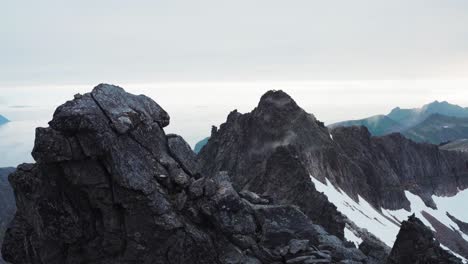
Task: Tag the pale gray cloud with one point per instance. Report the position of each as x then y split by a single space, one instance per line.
52 41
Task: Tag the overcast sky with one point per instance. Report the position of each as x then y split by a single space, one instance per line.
91 41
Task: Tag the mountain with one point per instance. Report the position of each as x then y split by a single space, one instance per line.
7 203
280 151
3 120
436 123
378 125
438 128
109 186
411 117
200 144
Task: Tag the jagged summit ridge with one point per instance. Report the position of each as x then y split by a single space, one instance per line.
275 157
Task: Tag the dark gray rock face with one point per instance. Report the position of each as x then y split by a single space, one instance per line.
110 187
7 203
415 244
448 236
273 151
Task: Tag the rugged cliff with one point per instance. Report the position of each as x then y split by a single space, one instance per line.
392 164
109 186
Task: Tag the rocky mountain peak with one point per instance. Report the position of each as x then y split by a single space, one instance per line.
277 99
277 157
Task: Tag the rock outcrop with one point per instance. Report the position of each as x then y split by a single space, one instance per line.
416 244
7 203
109 186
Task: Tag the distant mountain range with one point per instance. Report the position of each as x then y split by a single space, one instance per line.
436 123
3 120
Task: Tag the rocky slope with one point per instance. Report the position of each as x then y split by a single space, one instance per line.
415 244
392 164
7 203
109 186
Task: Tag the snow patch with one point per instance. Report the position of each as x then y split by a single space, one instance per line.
386 224
349 235
362 213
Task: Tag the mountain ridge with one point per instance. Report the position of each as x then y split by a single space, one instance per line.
255 147
410 122
110 186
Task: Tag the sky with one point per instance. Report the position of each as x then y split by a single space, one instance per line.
120 41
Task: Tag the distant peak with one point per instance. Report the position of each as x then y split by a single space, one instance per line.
276 99
436 103
396 109
3 119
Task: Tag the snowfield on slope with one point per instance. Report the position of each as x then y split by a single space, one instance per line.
386 224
